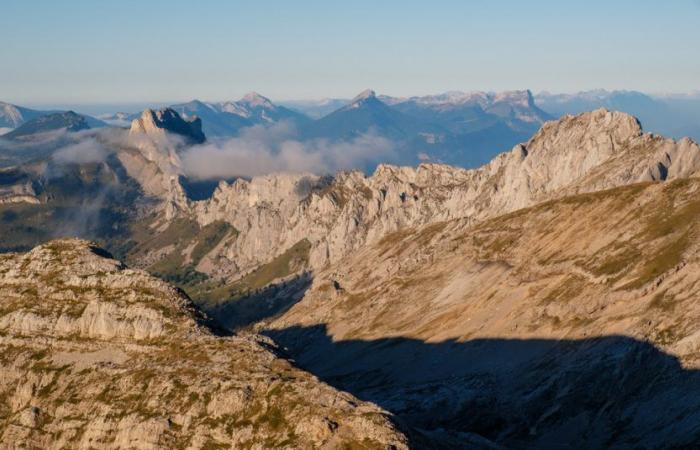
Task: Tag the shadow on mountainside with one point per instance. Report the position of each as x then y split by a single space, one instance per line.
604 392
260 304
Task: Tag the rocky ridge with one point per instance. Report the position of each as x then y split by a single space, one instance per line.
96 355
67 121
577 154
339 215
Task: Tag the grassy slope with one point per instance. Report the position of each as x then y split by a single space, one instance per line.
586 264
288 263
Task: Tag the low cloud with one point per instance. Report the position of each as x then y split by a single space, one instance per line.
88 150
47 139
260 150
87 146
83 147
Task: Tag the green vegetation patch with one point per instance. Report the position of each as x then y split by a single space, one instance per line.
208 238
288 263
671 231
181 234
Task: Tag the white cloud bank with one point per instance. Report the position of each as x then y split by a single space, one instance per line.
260 150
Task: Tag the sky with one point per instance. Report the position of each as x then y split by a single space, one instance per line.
96 52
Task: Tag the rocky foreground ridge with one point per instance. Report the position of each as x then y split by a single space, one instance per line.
97 356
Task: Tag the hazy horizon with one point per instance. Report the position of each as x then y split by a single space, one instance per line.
87 53
101 107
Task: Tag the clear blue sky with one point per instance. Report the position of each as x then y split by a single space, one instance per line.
98 51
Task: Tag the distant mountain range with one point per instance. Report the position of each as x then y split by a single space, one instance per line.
118 119
367 113
68 121
13 116
464 112
40 136
226 119
459 128
316 109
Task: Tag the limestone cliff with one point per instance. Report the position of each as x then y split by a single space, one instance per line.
151 157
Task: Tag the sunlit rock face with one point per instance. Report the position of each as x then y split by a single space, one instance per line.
157 136
589 152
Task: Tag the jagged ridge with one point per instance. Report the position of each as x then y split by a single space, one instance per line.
584 153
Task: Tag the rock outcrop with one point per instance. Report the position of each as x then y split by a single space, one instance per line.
96 355
151 156
155 124
10 116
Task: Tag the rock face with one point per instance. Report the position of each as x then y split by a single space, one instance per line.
577 154
148 152
20 189
95 355
154 124
563 324
151 155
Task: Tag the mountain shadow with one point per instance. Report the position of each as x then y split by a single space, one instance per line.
603 392
196 189
255 305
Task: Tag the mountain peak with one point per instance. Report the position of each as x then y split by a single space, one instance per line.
169 120
255 99
522 98
364 95
619 126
